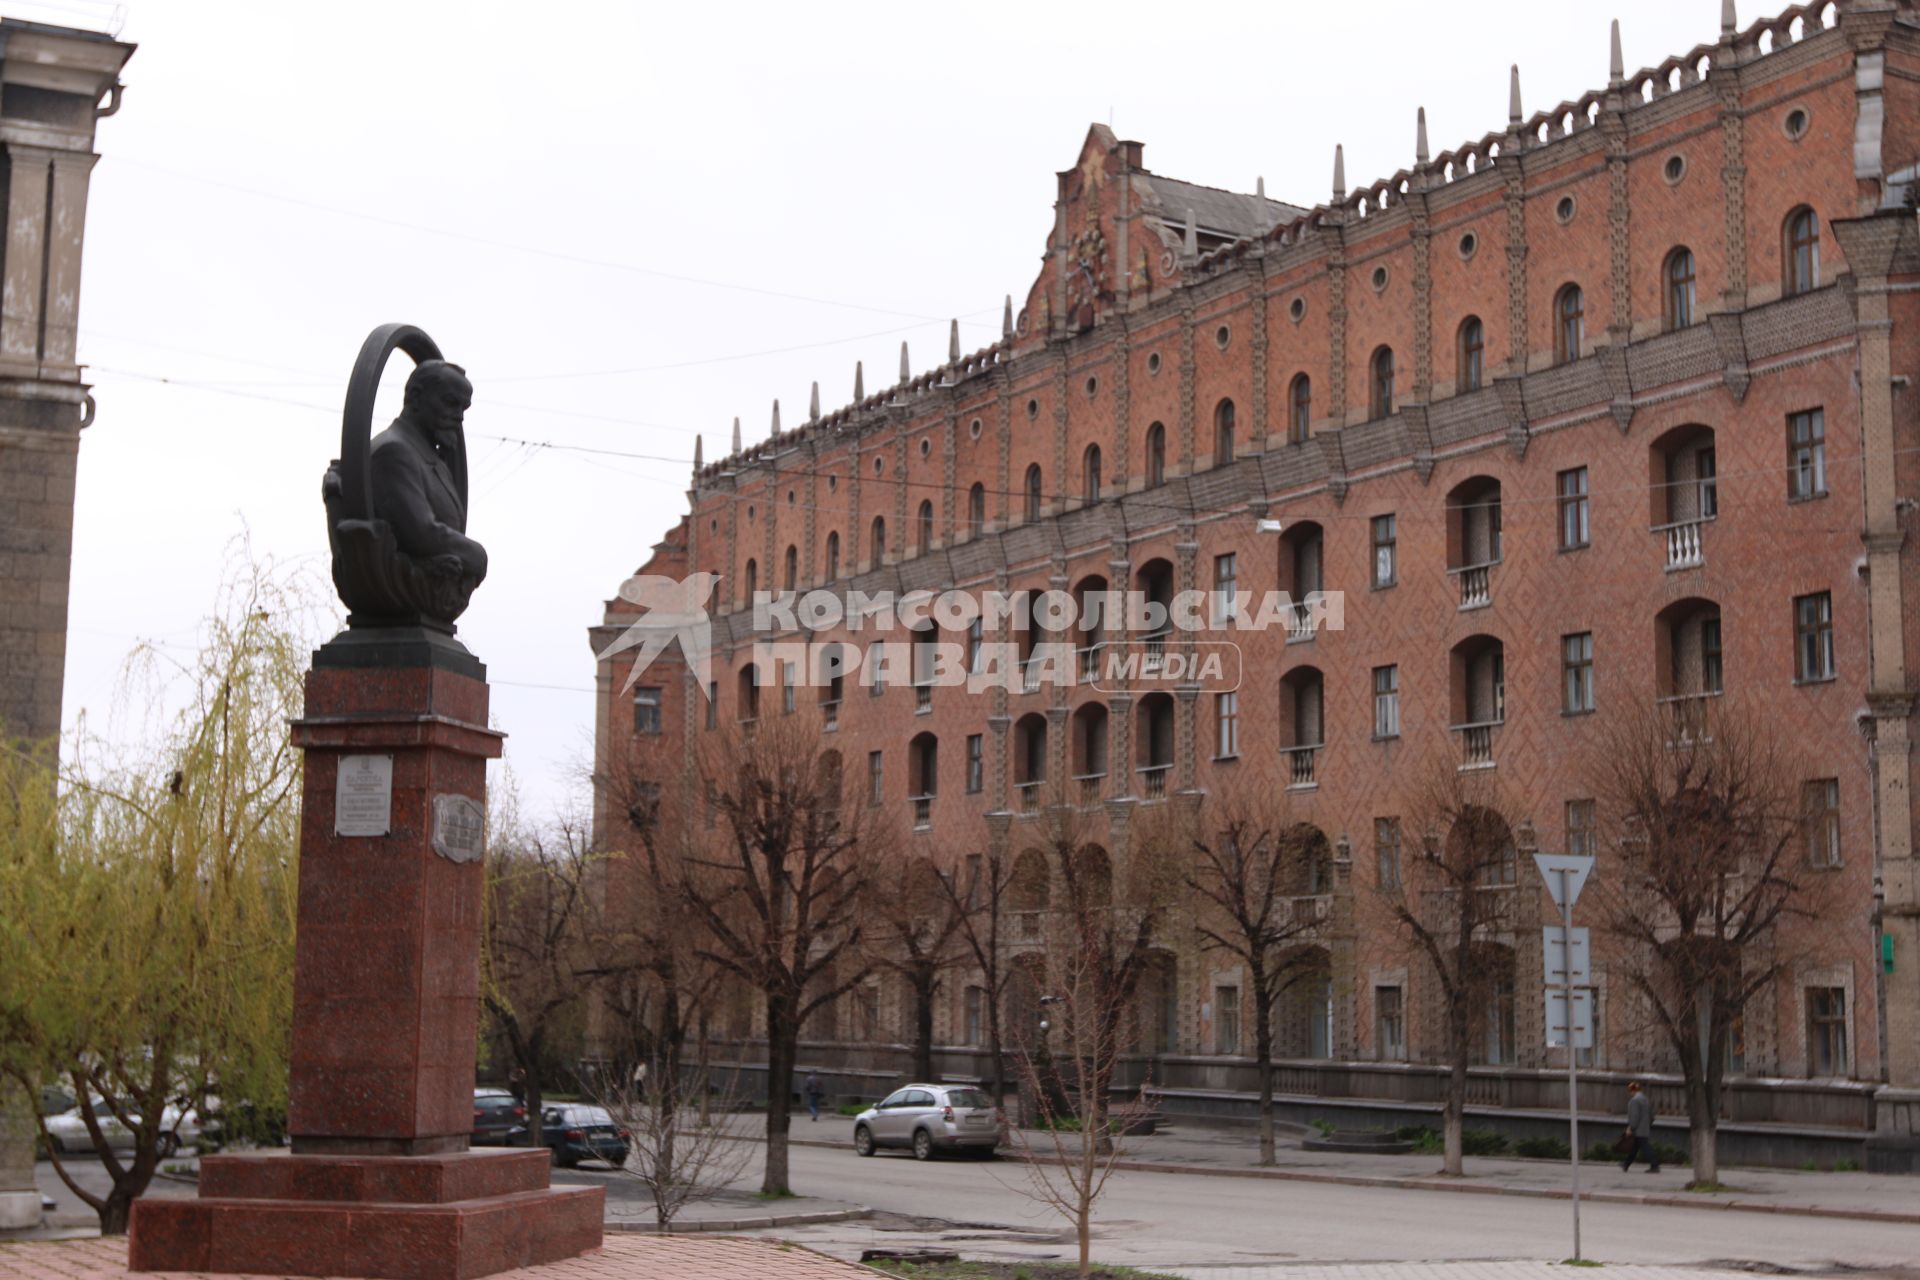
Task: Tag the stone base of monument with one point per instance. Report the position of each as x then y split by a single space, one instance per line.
446 1217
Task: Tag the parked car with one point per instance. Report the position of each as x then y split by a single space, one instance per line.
576 1132
496 1113
927 1118
54 1099
68 1130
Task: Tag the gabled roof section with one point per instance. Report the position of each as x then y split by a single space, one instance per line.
1221 215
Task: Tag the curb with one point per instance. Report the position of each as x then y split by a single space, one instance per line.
746 1224
1490 1189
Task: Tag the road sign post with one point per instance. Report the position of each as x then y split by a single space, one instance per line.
1565 876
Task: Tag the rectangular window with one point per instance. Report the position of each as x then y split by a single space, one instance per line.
789 688
713 704
1576 669
1707 479
1386 702
1813 636
1502 1038
976 762
1580 828
1711 669
976 632
1386 851
1573 508
1226 1019
1225 575
1823 822
1385 546
1389 1024
646 710
1226 717
1826 1031
876 785
976 1014
1807 454
1737 1044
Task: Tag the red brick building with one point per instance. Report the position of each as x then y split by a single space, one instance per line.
1609 406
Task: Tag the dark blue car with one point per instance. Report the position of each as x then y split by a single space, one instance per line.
574 1132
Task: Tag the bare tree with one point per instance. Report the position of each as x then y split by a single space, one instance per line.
781 891
540 954
1248 866
975 892
915 939
1706 811
1096 947
1456 895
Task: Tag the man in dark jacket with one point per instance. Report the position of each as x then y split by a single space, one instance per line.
1639 1130
814 1091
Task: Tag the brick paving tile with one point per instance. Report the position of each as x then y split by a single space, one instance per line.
624 1257
1482 1270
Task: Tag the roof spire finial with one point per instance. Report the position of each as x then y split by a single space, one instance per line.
1260 187
953 343
813 405
1513 96
1190 244
1420 154
1729 22
1339 173
905 369
1616 64
699 448
736 435
859 382
775 434
1006 319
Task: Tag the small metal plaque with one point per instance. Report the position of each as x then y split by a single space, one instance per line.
363 796
459 827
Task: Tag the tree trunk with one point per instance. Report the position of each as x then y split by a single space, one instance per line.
1083 1228
1703 1126
995 1050
1263 1055
924 982
783 1035
129 1186
1454 1110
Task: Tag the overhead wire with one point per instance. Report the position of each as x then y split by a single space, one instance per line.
1134 499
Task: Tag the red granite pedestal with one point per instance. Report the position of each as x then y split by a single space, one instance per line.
379 1182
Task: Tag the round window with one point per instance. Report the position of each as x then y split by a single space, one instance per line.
926 446
1093 385
1674 169
1468 243
1564 210
973 429
1153 365
1297 309
1222 336
1379 279
1795 123
1033 408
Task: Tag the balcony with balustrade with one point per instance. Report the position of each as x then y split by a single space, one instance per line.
1302 767
1476 743
1684 494
1473 540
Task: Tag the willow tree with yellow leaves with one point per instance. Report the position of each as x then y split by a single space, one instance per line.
148 919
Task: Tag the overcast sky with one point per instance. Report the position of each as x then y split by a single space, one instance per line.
632 222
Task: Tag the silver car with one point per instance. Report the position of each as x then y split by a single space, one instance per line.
927 1118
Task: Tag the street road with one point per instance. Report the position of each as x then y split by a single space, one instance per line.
1161 1219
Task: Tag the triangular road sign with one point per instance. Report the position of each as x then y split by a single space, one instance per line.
1576 868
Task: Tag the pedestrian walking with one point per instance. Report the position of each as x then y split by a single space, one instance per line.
814 1092
517 1085
1638 1138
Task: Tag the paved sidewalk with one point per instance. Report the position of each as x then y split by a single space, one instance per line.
1508 1270
1235 1151
624 1257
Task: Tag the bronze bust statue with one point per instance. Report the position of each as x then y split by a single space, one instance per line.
397 502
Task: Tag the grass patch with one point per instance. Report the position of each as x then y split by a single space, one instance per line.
1473 1142
1580 1262
1709 1188
1009 1271
851 1108
1543 1148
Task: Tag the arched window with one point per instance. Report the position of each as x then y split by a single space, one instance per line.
1380 404
977 509
1223 433
1569 323
879 539
1803 252
790 575
926 526
1090 473
1300 410
1471 361
1156 455
1679 278
833 556
1034 494
751 579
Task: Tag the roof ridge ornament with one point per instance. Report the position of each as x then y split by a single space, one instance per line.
1729 20
1190 243
1513 97
1616 64
1339 173
775 434
1006 319
736 435
813 406
953 343
859 382
1420 153
905 370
